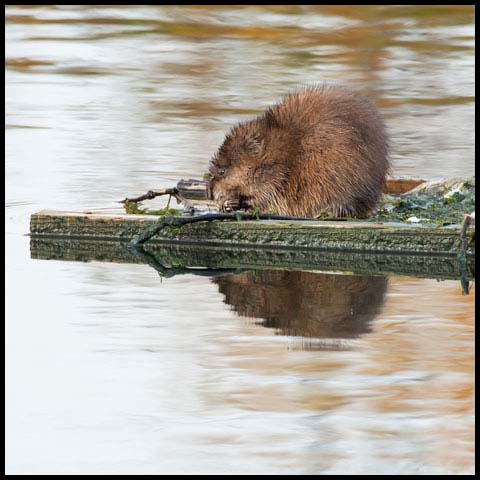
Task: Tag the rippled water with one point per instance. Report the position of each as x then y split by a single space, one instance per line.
112 370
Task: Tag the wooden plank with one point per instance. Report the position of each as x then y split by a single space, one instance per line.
328 235
397 186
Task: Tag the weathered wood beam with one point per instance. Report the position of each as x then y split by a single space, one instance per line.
328 235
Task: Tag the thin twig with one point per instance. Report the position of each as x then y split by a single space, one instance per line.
463 232
462 256
151 194
173 192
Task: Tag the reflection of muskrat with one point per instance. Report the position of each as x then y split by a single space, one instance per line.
307 304
323 149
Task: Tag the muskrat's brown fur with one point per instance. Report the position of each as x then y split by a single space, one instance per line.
323 149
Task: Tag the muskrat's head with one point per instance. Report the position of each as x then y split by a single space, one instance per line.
242 174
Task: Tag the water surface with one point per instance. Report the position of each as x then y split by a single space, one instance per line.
111 369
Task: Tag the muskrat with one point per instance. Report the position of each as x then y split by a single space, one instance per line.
320 150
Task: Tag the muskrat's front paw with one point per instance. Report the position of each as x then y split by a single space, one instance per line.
231 205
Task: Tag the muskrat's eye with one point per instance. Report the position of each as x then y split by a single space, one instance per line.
222 171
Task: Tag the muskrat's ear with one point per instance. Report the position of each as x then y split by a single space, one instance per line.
252 145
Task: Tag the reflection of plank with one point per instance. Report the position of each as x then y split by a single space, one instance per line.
193 189
329 235
215 258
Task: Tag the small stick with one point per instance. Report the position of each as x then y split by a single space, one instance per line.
463 232
462 256
173 192
151 194
208 217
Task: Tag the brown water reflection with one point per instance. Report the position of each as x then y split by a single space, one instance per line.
126 375
407 386
305 304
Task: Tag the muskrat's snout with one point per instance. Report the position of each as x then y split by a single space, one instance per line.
232 201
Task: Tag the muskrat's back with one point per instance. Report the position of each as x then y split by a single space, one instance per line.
319 150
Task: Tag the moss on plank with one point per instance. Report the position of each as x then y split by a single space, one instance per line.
135 208
434 203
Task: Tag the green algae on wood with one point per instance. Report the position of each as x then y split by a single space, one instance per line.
134 208
442 202
327 235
